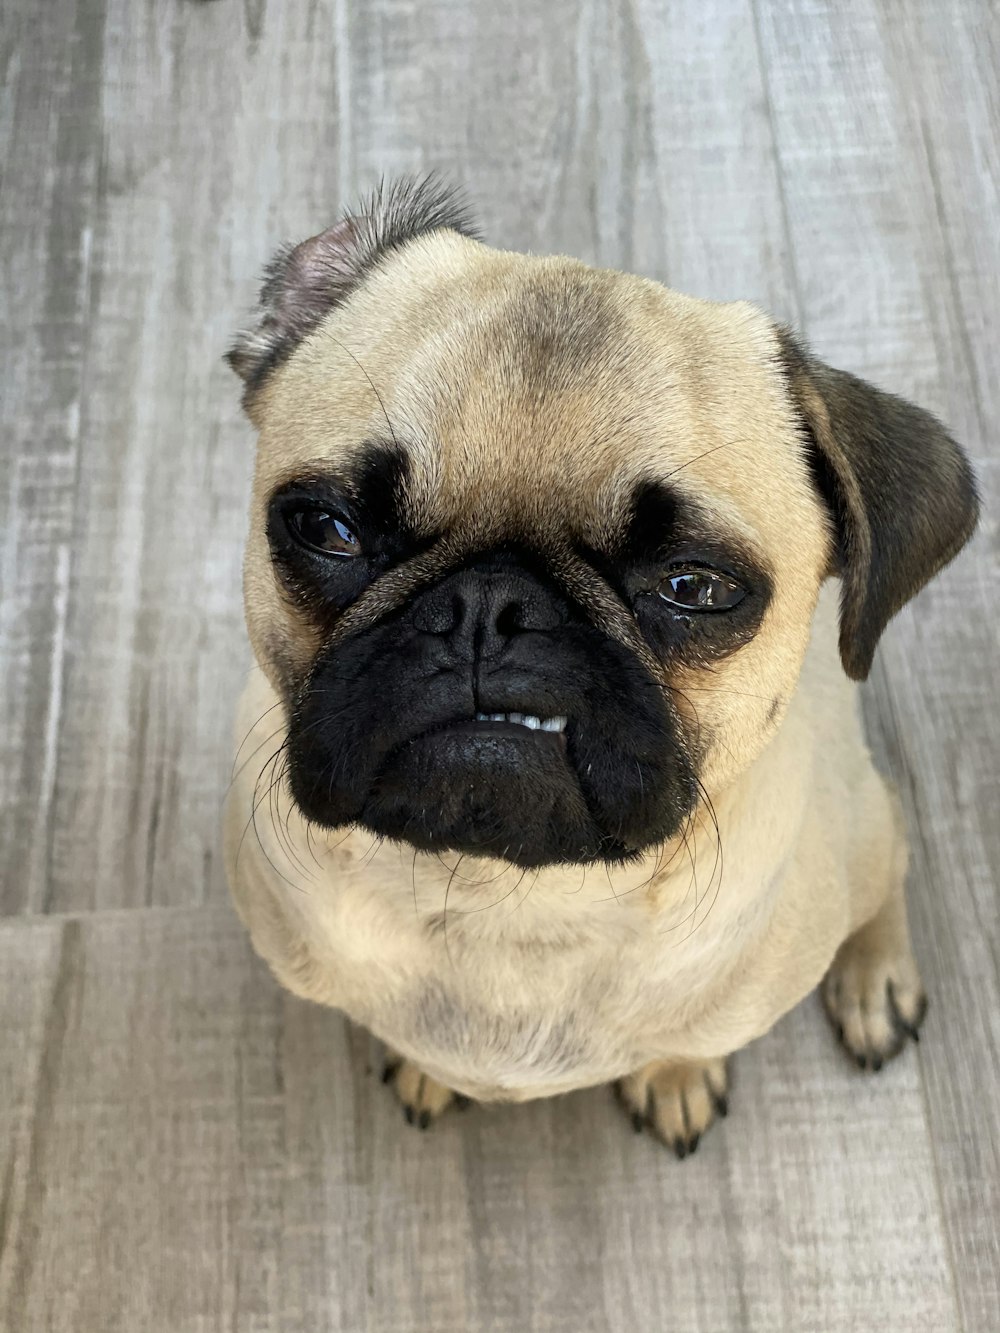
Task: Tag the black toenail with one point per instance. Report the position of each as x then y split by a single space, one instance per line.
721 1106
876 1063
424 1119
693 1145
408 1112
862 1061
461 1101
387 1072
680 1149
638 1121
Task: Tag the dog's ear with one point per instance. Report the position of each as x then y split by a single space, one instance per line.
303 283
900 491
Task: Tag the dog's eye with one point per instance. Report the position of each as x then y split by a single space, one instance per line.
319 530
700 590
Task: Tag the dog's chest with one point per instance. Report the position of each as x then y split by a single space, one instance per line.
495 1046
495 1012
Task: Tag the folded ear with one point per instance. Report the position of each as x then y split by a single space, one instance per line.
303 283
900 491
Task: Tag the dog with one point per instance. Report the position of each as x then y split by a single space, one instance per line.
559 583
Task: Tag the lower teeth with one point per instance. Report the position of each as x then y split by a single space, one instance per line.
528 720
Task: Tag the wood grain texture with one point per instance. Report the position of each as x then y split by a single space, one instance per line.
183 1147
897 314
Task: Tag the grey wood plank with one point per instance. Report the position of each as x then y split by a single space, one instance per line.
187 1148
50 138
156 1088
155 648
867 133
709 216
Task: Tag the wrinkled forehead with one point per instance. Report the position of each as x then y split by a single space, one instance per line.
532 397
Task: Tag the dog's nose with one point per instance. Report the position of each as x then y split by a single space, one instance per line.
478 612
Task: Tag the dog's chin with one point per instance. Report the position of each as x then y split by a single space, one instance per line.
493 790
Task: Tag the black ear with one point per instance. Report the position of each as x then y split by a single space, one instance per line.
303 283
901 493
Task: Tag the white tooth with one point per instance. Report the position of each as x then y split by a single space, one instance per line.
481 717
515 717
554 724
531 722
497 717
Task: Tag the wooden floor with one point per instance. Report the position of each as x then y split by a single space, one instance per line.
183 1147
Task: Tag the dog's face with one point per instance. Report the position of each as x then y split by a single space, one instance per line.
535 548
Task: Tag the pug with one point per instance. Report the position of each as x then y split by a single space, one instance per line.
559 583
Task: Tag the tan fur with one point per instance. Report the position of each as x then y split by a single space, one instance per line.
507 985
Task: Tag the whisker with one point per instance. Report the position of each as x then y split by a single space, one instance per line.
486 907
719 858
311 845
723 689
253 800
685 842
611 884
283 827
444 912
252 821
371 382
521 901
372 851
252 729
726 444
257 749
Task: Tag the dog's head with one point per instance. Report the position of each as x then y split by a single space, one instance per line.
535 547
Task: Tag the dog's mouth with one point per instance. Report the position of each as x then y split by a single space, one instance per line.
529 720
500 784
523 739
489 727
534 788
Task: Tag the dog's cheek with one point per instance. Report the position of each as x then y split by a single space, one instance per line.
284 642
333 749
634 766
342 732
327 770
729 712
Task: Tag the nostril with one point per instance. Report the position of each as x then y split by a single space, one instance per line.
509 619
439 615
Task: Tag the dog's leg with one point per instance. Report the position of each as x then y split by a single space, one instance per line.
423 1098
677 1100
872 993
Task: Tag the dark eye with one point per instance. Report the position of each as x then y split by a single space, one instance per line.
322 531
700 590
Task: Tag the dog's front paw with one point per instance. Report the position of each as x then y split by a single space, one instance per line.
423 1098
874 1002
677 1100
